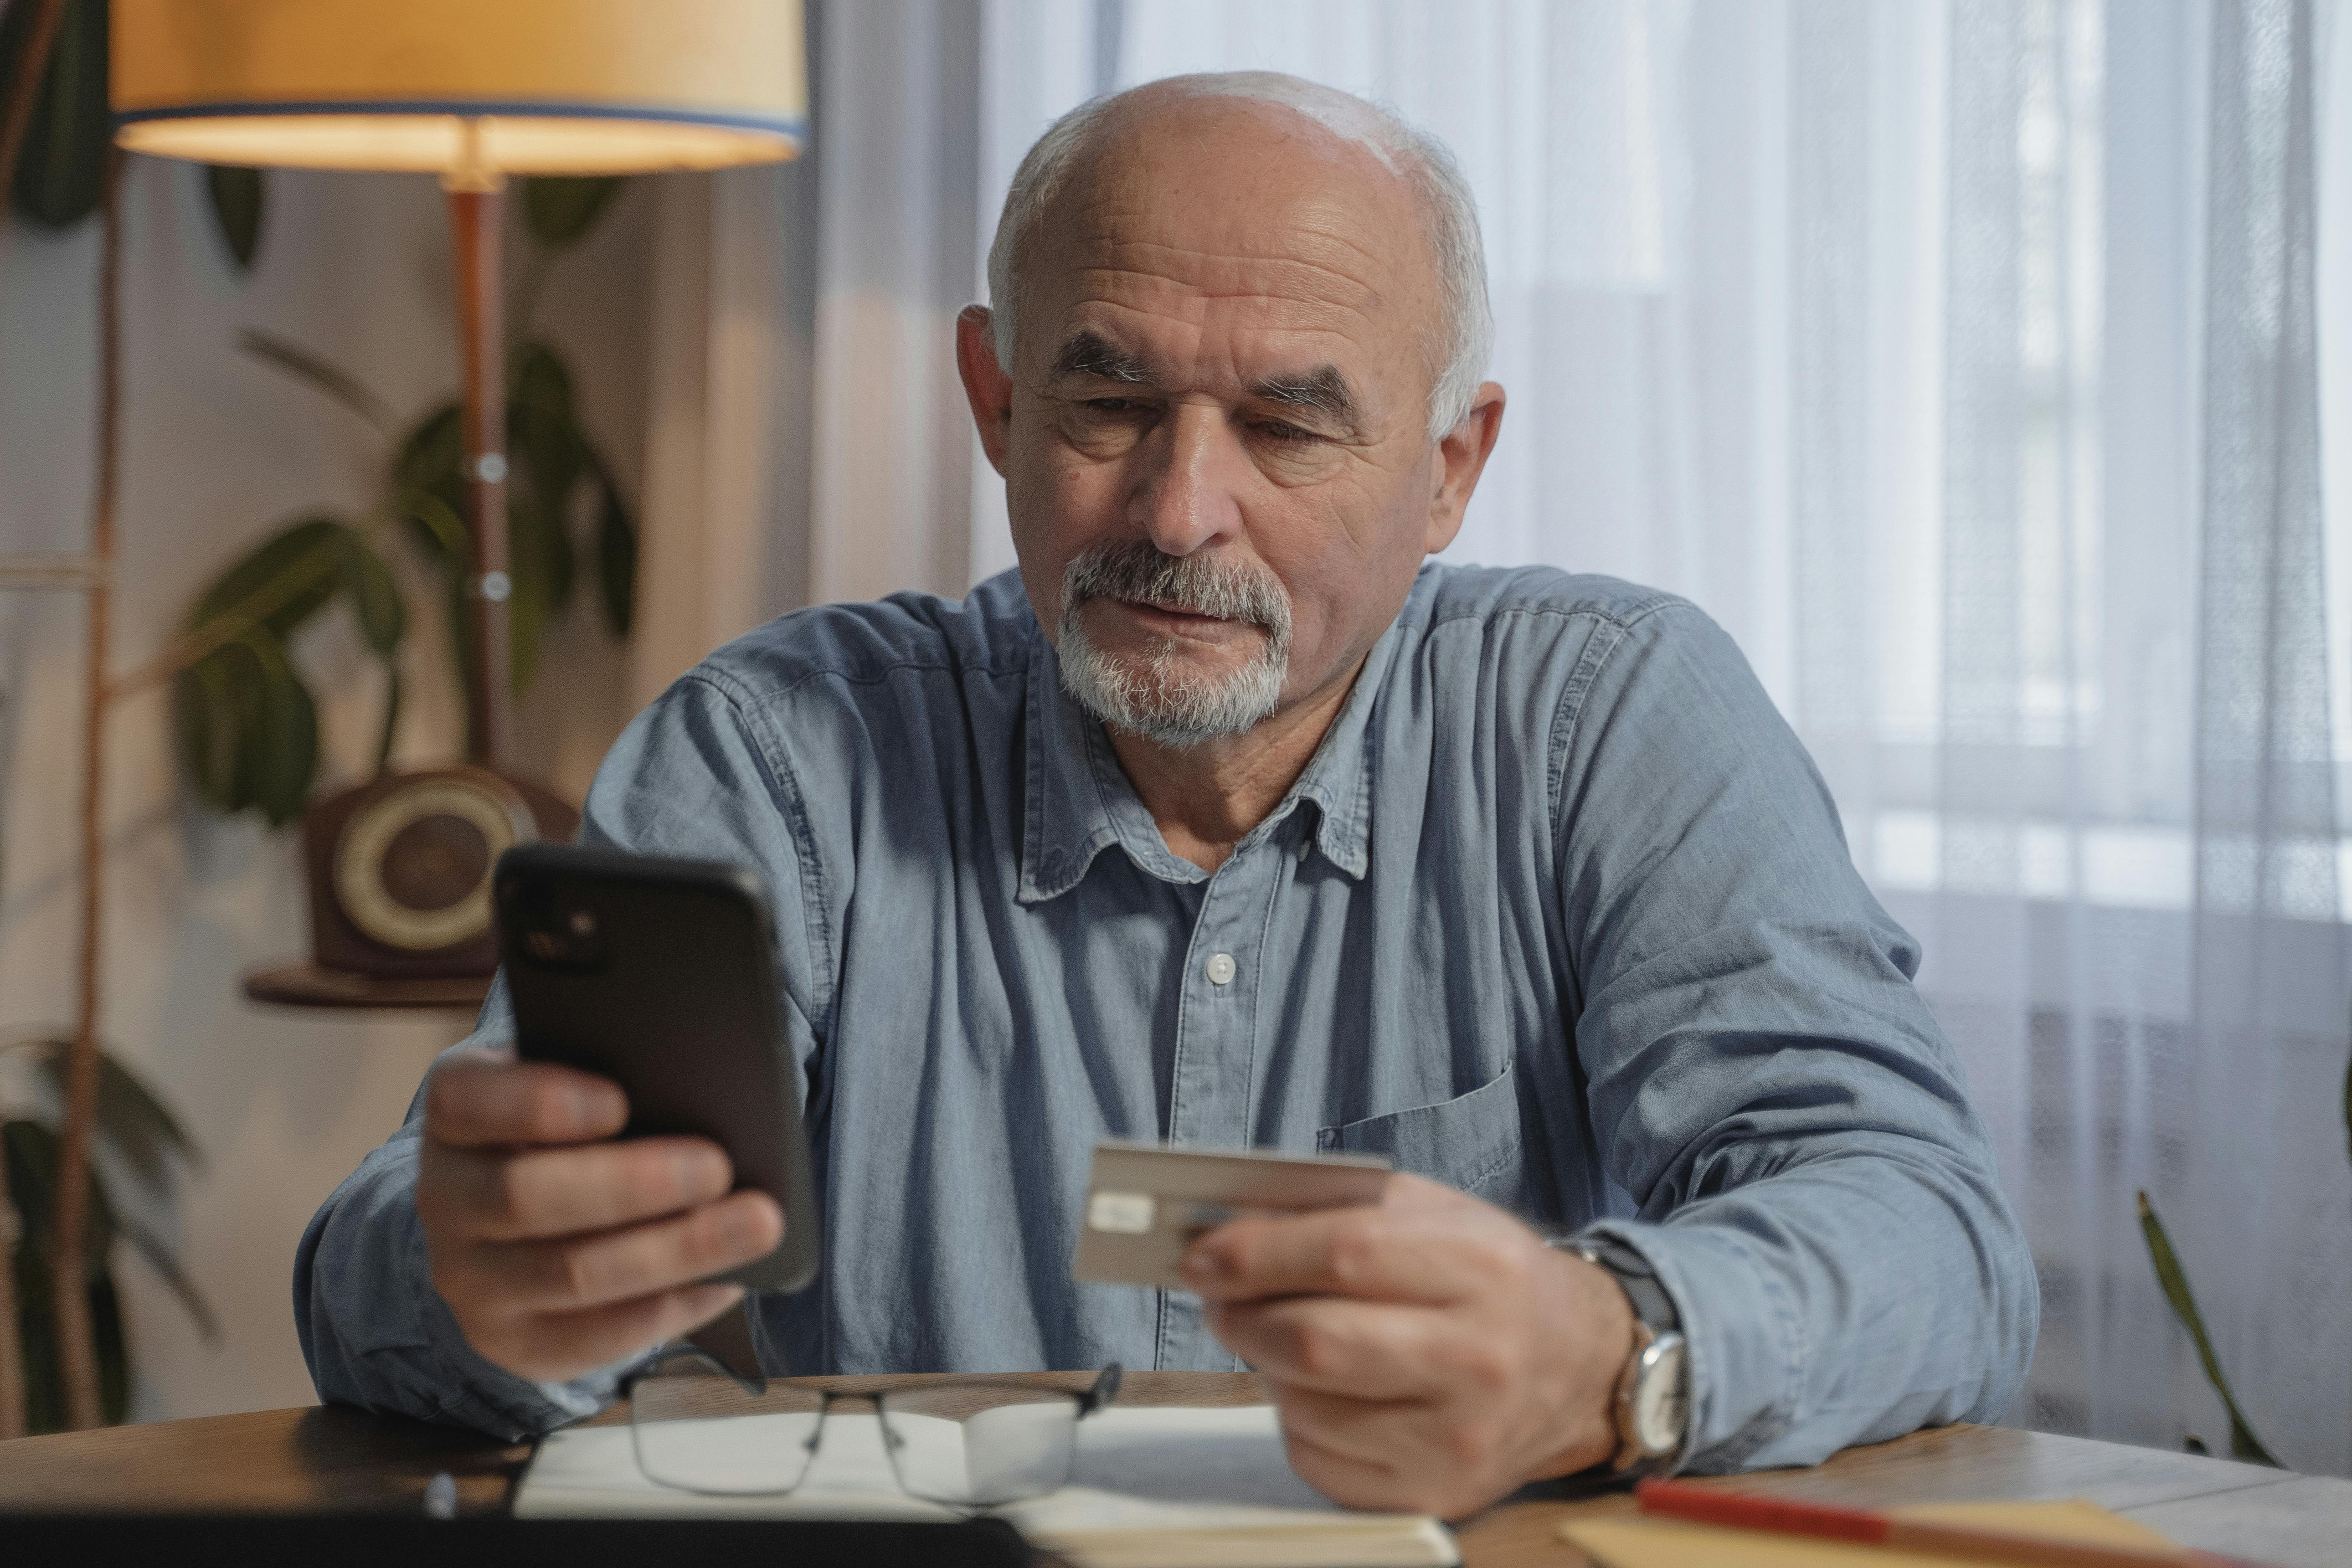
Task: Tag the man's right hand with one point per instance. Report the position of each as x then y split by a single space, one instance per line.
558 1250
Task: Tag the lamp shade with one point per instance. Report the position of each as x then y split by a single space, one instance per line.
527 87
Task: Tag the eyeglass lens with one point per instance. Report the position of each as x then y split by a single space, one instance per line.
975 1446
701 1432
961 1445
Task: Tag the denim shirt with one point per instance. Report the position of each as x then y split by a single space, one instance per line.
1560 914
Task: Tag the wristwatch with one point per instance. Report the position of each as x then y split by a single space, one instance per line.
1652 1404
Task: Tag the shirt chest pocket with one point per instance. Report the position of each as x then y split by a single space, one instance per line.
1471 1142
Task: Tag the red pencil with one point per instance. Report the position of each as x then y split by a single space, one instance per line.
1751 1510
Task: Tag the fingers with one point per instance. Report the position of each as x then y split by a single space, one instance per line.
1370 1349
1363 1250
557 1252
1406 1456
492 1278
541 1192
483 1101
555 1347
1350 1481
1362 1430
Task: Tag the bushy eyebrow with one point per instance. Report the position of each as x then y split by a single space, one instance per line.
1088 354
1322 390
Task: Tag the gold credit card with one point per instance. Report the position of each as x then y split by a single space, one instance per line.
1145 1204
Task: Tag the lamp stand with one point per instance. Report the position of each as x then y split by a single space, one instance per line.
353 964
476 225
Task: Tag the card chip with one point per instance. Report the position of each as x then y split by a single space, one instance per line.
1122 1214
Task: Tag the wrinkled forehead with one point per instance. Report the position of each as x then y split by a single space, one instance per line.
1232 220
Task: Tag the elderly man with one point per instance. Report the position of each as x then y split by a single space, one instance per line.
1231 822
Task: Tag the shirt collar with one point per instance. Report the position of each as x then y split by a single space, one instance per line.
1079 800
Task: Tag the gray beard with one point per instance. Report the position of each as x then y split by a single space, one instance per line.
1152 696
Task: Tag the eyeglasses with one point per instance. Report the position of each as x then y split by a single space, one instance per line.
700 1426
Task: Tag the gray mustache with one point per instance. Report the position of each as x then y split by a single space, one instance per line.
1135 568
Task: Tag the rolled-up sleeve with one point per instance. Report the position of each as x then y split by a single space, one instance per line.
686 778
374 1330
1810 1180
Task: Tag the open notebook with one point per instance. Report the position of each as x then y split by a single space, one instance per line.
1153 1487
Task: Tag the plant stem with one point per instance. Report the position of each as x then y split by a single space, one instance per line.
77 1343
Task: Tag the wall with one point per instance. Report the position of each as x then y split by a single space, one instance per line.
217 451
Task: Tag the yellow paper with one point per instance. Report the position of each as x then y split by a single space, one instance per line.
1648 1541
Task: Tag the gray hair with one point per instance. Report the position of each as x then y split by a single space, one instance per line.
1154 701
1450 212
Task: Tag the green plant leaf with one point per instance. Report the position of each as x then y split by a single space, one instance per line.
253 743
616 554
2243 1444
532 540
237 196
374 596
140 1141
322 375
248 729
32 1152
560 209
144 1134
428 491
60 174
280 583
544 430
284 754
205 715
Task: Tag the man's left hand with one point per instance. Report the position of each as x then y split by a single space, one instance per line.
1428 1353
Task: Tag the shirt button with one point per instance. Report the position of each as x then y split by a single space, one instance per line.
1306 847
1221 968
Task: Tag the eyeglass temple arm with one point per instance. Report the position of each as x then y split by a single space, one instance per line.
669 1358
1105 1390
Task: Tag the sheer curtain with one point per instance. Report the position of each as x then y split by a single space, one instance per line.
1964 360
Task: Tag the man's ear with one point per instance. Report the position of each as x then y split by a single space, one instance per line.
985 386
1462 455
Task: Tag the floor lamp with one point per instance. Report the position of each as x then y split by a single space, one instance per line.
471 90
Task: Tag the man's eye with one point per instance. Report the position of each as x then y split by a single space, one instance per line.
1282 430
1114 406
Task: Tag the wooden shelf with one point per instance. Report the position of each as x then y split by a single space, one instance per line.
308 985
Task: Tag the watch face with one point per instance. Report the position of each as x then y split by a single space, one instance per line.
413 868
1661 1396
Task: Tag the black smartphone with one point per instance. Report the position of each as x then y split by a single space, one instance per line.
660 974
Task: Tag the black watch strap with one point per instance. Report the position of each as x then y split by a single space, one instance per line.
1634 1275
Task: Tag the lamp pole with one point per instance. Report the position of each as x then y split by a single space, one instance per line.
477 226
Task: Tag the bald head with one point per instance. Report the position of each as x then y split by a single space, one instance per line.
1248 143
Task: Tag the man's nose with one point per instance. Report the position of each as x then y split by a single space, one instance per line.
1184 497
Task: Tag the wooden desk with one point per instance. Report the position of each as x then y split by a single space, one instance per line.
334 1460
